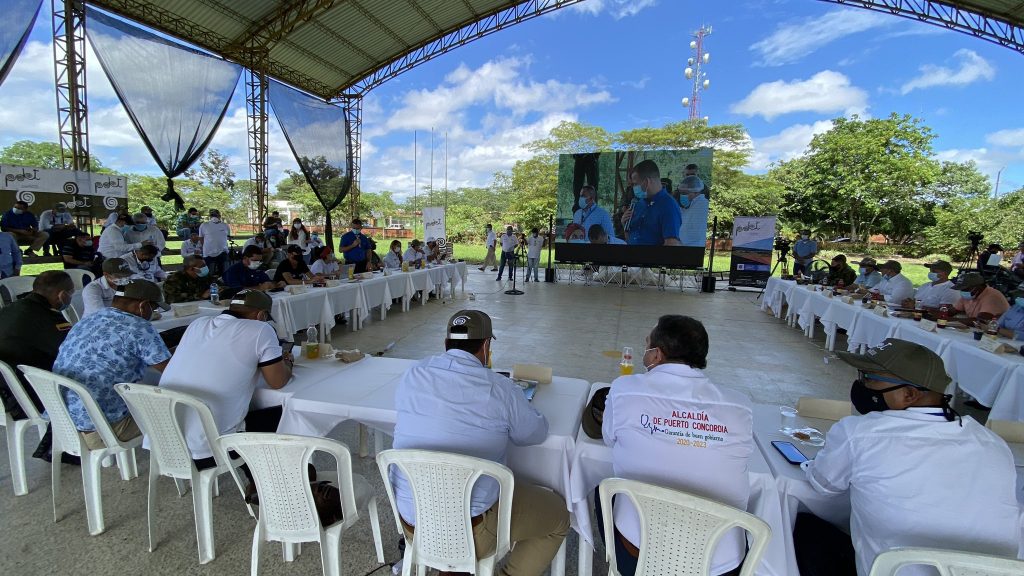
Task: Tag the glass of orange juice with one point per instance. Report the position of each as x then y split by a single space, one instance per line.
626 364
312 350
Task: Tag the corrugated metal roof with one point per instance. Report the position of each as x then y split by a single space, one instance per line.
327 47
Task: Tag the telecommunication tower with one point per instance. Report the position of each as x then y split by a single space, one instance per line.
695 71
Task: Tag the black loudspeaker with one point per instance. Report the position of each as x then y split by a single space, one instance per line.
707 284
549 274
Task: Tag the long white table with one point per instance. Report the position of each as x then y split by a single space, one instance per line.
168 320
592 463
326 392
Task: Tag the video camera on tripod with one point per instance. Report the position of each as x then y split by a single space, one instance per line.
782 246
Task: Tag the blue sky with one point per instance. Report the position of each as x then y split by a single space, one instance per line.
782 68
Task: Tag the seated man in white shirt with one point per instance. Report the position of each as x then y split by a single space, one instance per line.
326 263
675 414
415 255
237 349
939 290
894 288
916 474
145 264
453 403
99 294
142 232
193 246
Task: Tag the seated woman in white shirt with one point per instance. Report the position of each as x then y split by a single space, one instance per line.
393 259
326 264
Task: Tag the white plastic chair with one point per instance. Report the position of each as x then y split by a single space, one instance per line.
16 428
14 286
79 276
947 562
679 531
1007 429
279 465
66 439
824 409
442 488
78 303
156 411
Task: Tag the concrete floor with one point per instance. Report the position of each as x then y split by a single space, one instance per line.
579 330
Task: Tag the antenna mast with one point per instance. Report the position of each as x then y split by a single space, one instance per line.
695 71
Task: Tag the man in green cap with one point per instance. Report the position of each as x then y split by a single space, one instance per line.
916 474
111 346
453 402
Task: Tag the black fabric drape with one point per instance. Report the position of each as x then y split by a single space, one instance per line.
320 138
19 18
175 96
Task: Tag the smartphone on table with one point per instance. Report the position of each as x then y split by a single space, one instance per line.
790 452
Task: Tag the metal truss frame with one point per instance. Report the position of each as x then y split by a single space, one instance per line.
353 106
985 27
68 17
256 86
445 42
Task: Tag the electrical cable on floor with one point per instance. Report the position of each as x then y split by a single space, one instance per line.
377 569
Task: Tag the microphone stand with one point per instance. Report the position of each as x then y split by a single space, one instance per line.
515 259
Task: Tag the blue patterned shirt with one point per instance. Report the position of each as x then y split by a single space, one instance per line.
104 349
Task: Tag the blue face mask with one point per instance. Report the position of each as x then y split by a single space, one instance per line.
862 271
638 191
966 295
1019 302
933 276
204 271
139 227
684 201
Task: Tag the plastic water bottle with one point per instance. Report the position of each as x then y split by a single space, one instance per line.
214 294
312 344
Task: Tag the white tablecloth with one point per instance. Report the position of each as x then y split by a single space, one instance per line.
348 299
169 321
869 330
592 463
797 298
776 292
325 393
815 307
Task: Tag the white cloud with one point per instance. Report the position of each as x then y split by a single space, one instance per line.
970 68
788 144
793 40
1013 137
826 92
618 9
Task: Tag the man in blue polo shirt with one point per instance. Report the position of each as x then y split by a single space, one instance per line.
22 224
355 246
656 217
246 274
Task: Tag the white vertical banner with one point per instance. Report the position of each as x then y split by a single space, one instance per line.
434 227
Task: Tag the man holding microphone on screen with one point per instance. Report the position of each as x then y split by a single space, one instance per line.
654 217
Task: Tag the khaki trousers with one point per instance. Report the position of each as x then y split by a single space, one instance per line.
490 260
540 522
36 239
125 429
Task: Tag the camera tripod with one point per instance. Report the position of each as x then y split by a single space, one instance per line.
970 261
785 271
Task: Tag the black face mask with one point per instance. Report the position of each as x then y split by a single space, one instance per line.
866 400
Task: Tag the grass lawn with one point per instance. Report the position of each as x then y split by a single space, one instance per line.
475 253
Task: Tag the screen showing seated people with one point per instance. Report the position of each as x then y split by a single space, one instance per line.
635 208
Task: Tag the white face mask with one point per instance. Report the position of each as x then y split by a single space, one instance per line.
254 264
397 250
297 226
214 219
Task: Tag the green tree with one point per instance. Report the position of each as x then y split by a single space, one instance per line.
573 138
41 155
747 195
858 173
217 187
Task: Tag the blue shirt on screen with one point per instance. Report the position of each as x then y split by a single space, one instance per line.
239 275
655 220
23 221
106 348
357 254
588 217
10 255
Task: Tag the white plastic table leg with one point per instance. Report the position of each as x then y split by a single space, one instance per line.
558 562
585 562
